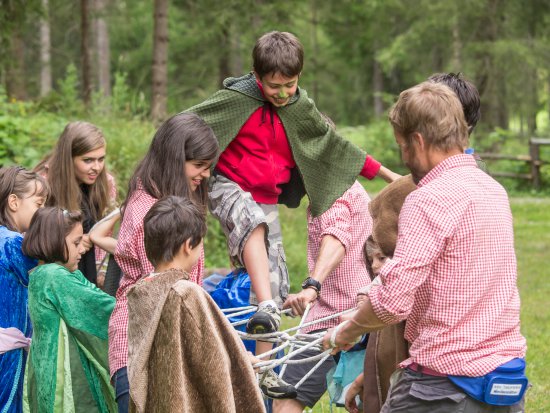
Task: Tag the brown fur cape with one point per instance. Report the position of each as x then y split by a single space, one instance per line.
386 348
184 356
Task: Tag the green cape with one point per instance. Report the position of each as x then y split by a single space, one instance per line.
327 164
68 369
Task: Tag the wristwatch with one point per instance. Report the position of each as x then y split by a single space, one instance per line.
312 283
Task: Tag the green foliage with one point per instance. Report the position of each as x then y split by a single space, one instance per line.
69 100
215 246
376 139
18 134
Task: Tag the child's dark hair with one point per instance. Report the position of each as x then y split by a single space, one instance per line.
467 94
368 251
168 225
278 52
181 138
22 183
45 239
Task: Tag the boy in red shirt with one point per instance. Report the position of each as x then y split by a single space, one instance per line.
275 148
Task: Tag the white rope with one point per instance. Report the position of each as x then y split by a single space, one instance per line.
325 356
291 349
297 343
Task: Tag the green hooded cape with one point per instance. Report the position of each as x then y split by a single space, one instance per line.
327 164
68 368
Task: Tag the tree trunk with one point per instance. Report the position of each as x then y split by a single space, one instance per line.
457 48
315 56
237 66
377 88
15 71
490 79
45 52
256 18
223 52
103 48
85 52
160 60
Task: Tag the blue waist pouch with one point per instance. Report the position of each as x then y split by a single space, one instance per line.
504 386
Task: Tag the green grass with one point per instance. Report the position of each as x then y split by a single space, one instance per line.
532 235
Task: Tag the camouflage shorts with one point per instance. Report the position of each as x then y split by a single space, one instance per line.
239 215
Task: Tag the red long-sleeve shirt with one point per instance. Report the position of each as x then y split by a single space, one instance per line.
259 159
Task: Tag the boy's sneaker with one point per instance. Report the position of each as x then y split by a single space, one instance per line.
265 320
276 388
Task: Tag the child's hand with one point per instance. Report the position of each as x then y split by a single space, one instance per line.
298 302
355 389
87 242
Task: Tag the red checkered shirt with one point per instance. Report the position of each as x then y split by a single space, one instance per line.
130 256
349 221
453 276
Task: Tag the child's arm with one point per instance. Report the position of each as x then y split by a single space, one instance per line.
387 175
100 233
356 389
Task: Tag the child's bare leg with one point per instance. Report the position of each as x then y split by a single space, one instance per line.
263 346
257 264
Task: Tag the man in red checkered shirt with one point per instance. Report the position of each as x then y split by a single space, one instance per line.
336 262
453 276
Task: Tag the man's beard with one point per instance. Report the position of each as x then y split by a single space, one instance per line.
416 172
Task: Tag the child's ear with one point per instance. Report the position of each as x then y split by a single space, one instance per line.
13 202
186 247
257 76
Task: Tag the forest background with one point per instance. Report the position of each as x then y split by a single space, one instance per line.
126 65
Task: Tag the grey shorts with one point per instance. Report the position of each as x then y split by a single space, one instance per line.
311 390
416 392
239 215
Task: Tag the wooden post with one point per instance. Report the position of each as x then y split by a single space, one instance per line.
534 151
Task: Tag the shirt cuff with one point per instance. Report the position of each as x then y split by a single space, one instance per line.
370 168
339 234
379 310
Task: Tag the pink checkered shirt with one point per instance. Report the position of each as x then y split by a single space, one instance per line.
349 221
130 256
453 275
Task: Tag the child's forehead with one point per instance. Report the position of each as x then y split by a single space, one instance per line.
279 79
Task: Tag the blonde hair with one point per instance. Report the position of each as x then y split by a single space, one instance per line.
434 111
77 139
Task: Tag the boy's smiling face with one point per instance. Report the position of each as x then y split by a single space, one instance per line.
277 88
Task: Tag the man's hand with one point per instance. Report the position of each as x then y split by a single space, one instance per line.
339 342
361 298
347 316
298 302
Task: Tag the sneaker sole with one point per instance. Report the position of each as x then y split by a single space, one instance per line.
261 325
279 395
